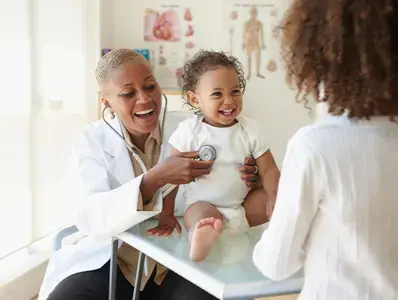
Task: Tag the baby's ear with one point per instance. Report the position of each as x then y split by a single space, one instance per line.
192 99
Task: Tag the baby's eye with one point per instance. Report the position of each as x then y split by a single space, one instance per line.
236 92
217 94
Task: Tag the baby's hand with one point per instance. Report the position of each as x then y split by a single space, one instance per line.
166 225
270 208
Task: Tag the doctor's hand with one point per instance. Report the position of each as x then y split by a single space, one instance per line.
249 173
166 225
182 168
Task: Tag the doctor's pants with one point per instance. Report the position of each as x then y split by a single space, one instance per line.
94 285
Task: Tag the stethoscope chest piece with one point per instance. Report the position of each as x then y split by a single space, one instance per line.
207 153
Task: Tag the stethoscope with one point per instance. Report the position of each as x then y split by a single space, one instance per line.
206 152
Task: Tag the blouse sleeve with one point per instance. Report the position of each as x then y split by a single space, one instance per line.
279 253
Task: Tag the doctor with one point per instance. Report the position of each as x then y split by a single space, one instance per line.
111 187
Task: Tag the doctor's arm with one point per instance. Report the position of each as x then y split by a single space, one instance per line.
104 212
279 253
167 220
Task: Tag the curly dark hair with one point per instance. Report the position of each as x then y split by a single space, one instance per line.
202 62
350 47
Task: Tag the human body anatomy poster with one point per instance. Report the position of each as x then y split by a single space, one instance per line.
170 33
251 36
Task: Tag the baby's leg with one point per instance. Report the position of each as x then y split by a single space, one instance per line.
204 223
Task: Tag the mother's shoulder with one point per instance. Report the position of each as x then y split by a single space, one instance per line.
318 133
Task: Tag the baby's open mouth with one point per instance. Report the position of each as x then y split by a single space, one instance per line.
226 112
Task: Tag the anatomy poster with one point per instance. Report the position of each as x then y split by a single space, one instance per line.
250 31
169 31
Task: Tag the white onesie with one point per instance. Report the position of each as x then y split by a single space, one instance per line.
223 187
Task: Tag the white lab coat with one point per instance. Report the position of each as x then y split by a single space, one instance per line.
108 190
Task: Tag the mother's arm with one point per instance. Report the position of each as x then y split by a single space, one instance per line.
279 253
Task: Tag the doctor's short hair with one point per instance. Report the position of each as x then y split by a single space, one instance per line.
347 47
205 61
112 60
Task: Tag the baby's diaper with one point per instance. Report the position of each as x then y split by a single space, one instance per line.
234 220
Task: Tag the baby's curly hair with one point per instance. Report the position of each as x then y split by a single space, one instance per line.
205 61
350 47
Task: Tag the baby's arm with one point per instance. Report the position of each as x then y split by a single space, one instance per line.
169 202
267 168
167 220
170 199
269 174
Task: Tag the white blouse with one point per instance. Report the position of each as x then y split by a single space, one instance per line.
336 213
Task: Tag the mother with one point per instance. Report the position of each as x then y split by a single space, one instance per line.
112 186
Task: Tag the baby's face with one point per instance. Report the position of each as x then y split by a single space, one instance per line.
219 96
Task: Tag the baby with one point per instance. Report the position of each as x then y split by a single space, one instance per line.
213 84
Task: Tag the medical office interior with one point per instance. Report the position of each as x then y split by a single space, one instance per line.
49 50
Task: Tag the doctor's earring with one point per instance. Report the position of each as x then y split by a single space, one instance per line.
111 113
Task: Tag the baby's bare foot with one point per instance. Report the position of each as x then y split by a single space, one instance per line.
204 235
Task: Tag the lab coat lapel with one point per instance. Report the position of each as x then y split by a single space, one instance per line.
120 166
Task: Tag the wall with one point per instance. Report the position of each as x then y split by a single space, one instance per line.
49 95
14 126
271 102
66 47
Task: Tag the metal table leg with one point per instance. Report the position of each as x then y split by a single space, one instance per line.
113 271
138 276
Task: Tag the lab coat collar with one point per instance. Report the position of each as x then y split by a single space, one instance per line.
113 144
120 165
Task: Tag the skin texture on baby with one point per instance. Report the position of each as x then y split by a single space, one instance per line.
219 97
213 84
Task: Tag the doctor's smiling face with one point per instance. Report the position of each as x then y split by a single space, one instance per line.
130 90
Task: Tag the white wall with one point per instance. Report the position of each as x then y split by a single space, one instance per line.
49 52
66 47
269 101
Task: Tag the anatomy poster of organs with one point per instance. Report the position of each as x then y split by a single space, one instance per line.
250 30
169 31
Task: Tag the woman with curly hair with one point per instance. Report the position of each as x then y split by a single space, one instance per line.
337 203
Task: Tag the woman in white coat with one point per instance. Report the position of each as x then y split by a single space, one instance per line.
111 187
